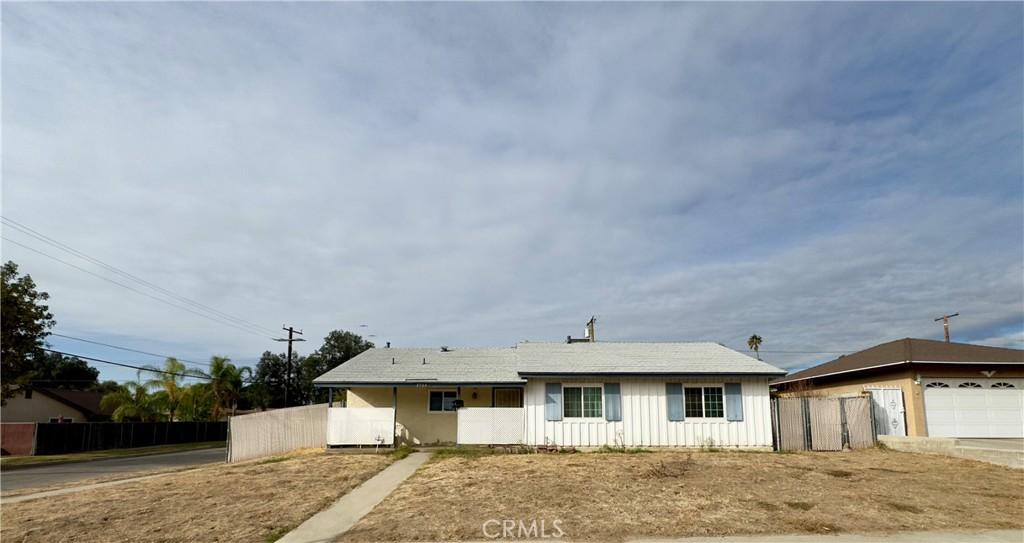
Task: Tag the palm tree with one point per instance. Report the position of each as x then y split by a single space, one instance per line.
130 401
225 384
196 402
169 380
755 345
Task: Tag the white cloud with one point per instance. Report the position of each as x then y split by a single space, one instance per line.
829 177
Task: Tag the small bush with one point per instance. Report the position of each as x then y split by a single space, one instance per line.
402 451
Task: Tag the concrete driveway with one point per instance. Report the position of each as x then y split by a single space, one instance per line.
68 473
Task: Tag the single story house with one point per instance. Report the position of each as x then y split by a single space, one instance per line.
923 387
579 393
35 404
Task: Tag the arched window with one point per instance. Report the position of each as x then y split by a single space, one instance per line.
936 384
968 384
1003 384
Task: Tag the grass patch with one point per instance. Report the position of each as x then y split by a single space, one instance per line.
276 534
801 506
622 450
842 474
402 452
906 508
461 452
18 462
272 460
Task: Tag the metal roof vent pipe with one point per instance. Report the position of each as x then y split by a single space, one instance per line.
445 349
387 345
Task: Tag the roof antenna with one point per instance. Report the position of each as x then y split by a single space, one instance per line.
945 323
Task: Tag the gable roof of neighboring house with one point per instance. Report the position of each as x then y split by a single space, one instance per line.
86 401
511 365
906 351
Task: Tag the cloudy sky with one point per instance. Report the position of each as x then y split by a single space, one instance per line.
826 176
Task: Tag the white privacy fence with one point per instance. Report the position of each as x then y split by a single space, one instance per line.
360 426
276 432
491 425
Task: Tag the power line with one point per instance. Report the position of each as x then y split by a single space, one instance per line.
146 294
123 365
67 248
128 349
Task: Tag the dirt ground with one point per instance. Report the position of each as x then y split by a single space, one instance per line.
250 502
675 494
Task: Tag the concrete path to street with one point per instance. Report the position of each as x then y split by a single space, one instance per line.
330 523
44 476
992 536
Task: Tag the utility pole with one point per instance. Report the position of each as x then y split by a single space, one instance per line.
288 372
945 323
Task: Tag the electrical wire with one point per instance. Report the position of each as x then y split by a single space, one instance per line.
123 365
67 248
129 349
146 294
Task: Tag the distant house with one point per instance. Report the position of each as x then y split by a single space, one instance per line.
53 405
923 387
580 393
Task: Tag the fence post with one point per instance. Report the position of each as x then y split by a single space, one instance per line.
844 425
805 413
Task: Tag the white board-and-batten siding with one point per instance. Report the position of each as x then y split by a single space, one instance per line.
645 421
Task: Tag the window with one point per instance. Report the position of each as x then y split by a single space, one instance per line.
693 402
508 397
968 384
581 402
713 406
936 384
703 402
442 400
1002 385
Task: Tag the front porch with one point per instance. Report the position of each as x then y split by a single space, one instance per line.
419 414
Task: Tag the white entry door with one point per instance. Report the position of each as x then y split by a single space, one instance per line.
970 407
890 419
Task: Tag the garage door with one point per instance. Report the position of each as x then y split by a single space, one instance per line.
974 407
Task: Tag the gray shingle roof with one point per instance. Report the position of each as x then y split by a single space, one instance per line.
511 364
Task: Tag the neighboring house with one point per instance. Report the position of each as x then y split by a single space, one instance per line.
584 394
53 405
923 387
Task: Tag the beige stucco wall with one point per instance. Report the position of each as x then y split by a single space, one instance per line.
37 409
903 378
416 425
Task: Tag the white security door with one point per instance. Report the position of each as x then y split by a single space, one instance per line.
969 407
889 412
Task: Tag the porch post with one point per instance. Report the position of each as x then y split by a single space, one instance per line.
394 417
330 396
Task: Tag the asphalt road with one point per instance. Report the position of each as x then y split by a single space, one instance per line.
69 473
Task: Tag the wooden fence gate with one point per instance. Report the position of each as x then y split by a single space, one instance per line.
822 424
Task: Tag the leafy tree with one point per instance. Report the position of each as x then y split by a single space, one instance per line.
131 401
59 371
268 381
26 323
169 380
754 342
339 347
105 387
225 384
196 402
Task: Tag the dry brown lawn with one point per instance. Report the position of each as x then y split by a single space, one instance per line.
243 502
676 494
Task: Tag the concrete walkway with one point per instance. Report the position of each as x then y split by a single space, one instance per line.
337 519
992 536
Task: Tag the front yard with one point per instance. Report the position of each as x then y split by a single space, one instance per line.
250 502
675 494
